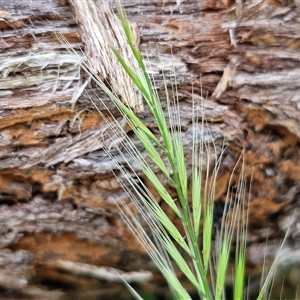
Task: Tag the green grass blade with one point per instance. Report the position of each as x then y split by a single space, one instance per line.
161 262
239 276
196 199
181 292
161 189
134 120
152 152
181 263
223 258
181 166
136 78
130 38
143 82
241 238
207 232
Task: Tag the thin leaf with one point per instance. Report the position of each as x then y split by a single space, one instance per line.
152 152
223 258
181 167
170 227
207 233
161 189
173 251
196 198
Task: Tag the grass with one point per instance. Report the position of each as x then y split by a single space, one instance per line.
195 247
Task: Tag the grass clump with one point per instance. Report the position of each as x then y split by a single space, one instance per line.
200 252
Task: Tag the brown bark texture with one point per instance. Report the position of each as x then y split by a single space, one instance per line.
61 236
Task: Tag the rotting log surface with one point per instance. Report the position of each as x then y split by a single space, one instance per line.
56 188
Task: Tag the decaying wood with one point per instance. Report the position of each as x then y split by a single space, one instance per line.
102 273
57 193
102 29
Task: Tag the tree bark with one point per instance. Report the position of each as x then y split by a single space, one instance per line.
57 191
